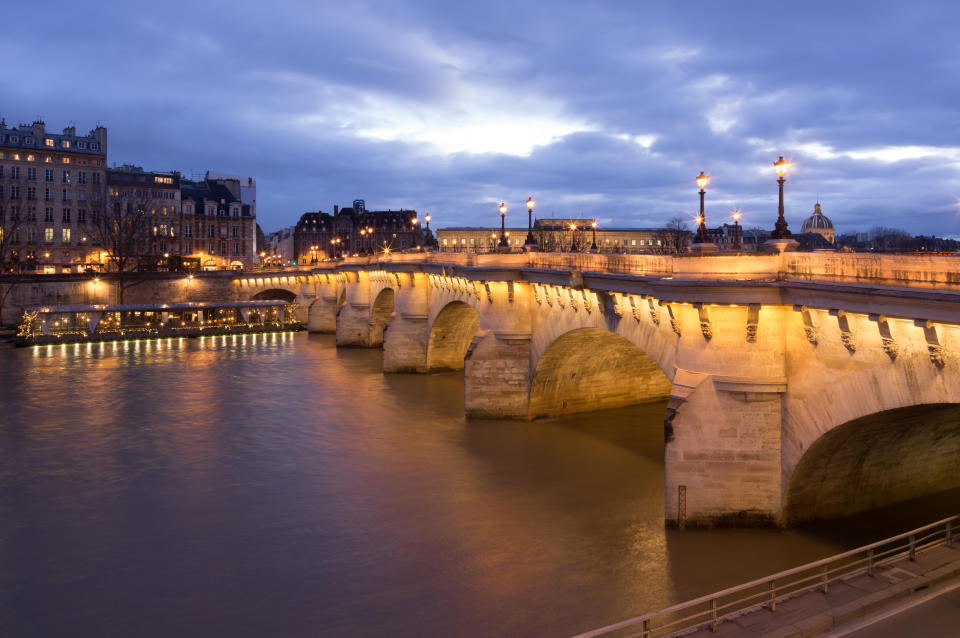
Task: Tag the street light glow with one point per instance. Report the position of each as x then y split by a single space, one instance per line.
781 166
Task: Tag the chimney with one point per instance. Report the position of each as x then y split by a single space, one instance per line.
336 210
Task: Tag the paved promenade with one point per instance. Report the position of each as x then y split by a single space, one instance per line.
851 603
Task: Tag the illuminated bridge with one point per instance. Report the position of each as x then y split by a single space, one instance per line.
799 386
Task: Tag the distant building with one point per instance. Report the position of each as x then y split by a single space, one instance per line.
218 228
555 235
158 194
52 186
819 224
352 230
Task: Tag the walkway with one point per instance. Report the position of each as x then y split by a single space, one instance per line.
851 600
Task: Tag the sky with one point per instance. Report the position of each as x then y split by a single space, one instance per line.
603 109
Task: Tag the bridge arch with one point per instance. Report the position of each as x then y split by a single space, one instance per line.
589 369
450 335
876 460
380 311
275 294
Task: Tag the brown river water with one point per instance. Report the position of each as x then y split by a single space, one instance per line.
273 485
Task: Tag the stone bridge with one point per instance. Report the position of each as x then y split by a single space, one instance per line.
798 386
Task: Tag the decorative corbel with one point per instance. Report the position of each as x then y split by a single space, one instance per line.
587 300
654 313
809 324
846 334
674 320
486 287
934 346
574 303
705 326
888 343
536 294
753 321
560 300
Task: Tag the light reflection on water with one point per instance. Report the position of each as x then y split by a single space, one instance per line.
273 485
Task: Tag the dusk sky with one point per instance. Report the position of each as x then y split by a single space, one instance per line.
596 109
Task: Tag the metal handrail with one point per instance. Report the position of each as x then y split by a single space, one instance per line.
774 588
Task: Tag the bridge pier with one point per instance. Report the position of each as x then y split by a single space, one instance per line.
722 454
405 343
497 375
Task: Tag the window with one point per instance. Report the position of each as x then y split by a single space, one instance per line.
48 159
48 141
236 211
633 242
48 215
31 234
31 214
32 174
96 178
48 194
188 230
236 231
14 139
1 171
32 193
66 215
81 177
14 172
81 144
48 235
210 210
48 175
66 195
211 231
66 177
65 143
66 236
163 230
66 160
14 192
163 180
236 248
81 215
81 196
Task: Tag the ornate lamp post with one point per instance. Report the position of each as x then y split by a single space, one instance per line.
503 229
736 230
593 247
530 242
780 228
701 237
573 235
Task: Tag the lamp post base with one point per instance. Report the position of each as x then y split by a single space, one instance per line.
703 248
780 245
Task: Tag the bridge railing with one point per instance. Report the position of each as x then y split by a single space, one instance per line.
908 271
707 612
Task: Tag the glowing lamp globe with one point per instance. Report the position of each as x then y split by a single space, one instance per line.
781 166
702 180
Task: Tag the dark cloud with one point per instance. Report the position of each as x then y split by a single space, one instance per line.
607 109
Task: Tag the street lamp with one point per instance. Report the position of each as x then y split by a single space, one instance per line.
701 238
593 247
781 166
503 245
736 230
530 242
573 230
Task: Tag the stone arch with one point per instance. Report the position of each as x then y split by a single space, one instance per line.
594 369
341 300
275 294
380 311
450 335
876 460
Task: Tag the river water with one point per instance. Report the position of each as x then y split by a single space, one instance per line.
273 485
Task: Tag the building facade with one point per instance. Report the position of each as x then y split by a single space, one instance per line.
52 189
559 235
157 194
216 227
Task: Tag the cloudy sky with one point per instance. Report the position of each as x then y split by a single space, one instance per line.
596 109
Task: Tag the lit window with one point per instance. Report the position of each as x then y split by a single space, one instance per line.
65 143
66 235
47 159
31 158
48 141
66 160
48 234
633 242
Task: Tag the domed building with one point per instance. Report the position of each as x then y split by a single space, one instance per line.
819 224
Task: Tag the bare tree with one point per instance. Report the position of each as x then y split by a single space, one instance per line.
674 237
122 229
10 222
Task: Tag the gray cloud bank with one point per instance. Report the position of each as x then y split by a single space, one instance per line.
604 109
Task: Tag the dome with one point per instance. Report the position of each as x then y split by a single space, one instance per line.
817 221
